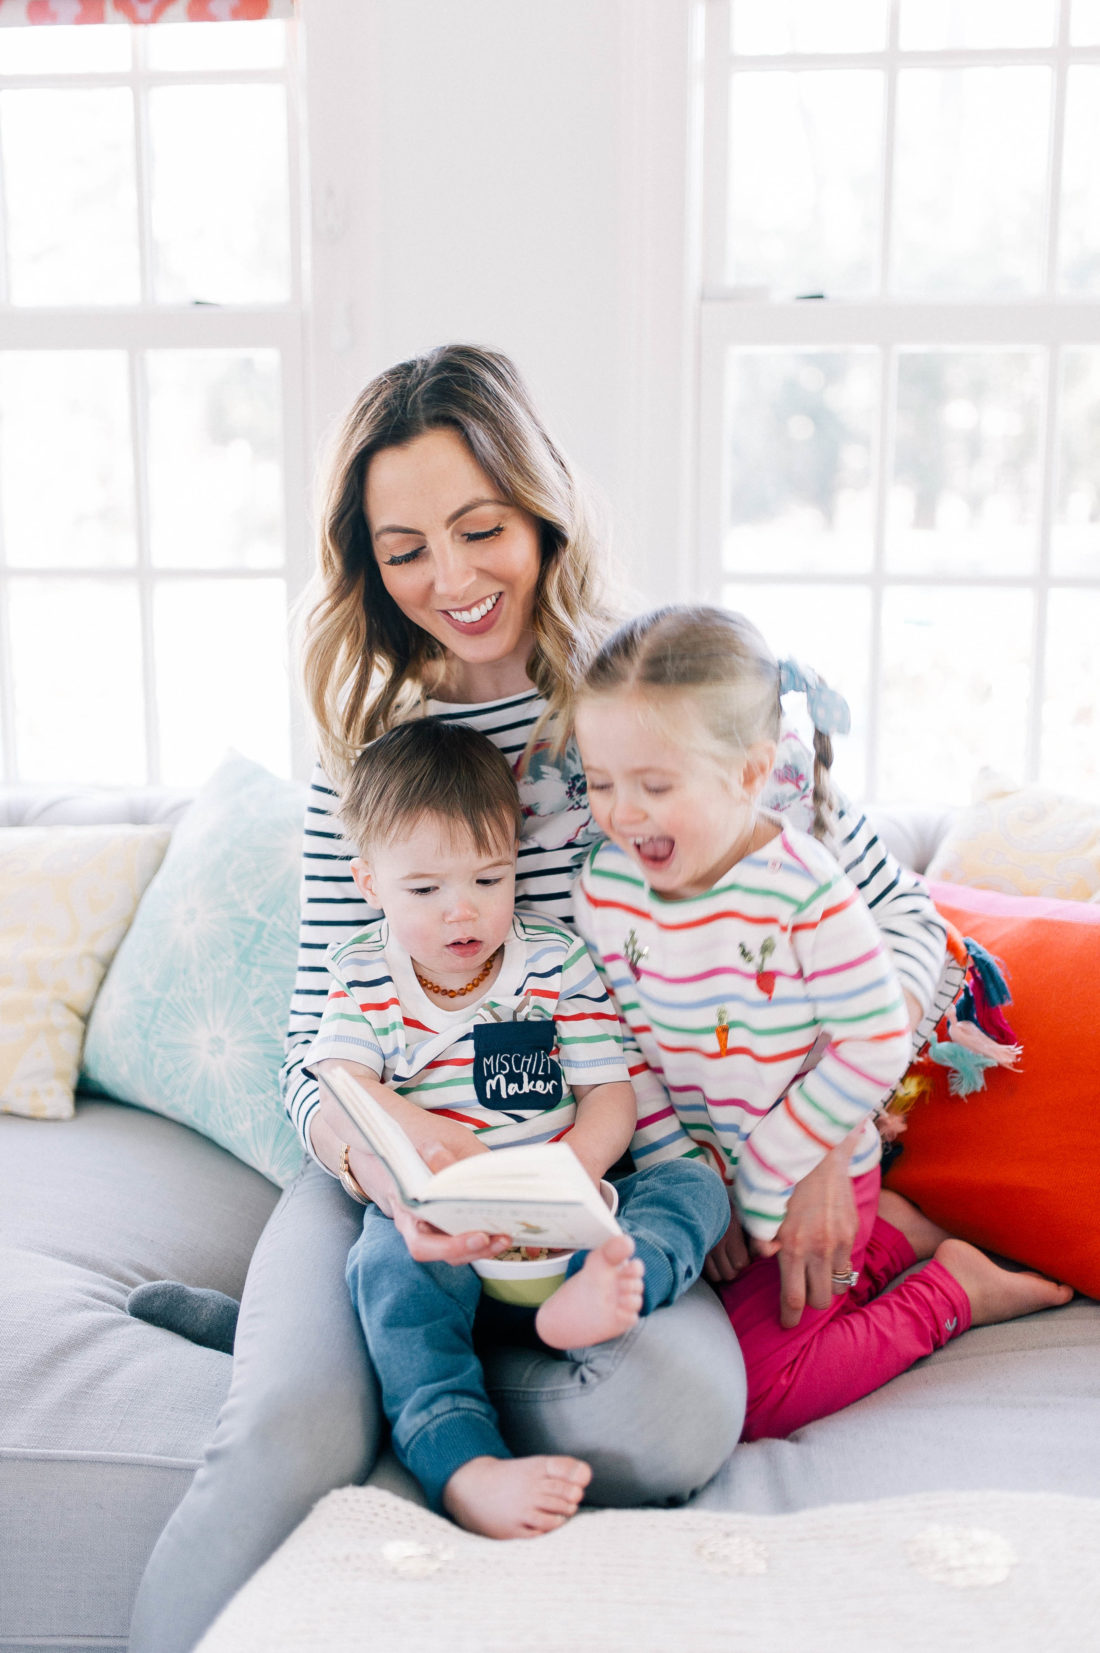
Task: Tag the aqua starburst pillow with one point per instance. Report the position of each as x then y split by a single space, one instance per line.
190 1019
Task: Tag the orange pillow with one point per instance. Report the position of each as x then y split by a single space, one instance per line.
1016 1167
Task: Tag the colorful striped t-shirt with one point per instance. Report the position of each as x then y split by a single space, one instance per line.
378 1015
730 995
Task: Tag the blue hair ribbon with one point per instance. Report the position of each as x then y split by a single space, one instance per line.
828 710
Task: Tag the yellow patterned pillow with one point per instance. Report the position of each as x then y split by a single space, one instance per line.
1023 840
67 896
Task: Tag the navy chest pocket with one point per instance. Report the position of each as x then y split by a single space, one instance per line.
513 1067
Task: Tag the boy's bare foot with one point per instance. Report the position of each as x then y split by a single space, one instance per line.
997 1293
603 1300
515 1497
922 1233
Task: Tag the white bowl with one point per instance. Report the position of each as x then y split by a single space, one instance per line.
530 1282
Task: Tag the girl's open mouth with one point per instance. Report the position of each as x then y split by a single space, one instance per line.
477 618
654 852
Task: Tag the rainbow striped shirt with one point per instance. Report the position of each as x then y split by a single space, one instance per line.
727 998
378 1015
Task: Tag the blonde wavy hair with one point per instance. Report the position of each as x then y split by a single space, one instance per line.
365 667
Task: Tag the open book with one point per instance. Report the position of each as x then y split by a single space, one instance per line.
538 1193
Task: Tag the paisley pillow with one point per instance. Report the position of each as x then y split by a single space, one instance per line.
190 1020
67 897
1023 840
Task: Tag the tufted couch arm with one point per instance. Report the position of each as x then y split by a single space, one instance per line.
91 806
912 832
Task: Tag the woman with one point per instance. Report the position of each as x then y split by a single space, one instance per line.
458 575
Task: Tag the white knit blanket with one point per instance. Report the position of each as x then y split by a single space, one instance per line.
368 1572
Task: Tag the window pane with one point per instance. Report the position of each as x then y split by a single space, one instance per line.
956 671
62 49
804 179
76 659
221 675
1085 29
929 25
970 180
1071 710
1079 248
1075 539
220 220
807 25
71 196
799 444
215 477
827 627
66 480
965 492
259 45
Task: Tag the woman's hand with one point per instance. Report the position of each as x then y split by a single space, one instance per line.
428 1244
729 1257
816 1238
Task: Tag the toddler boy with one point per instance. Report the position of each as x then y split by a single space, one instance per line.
424 1007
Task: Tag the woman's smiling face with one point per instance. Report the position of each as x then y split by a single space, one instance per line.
459 561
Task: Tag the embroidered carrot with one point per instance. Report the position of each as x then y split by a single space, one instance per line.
722 1029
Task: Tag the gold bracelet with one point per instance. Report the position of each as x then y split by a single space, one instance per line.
347 1177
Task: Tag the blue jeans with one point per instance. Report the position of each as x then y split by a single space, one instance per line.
418 1319
655 1413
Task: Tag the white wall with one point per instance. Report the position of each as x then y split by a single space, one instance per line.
515 173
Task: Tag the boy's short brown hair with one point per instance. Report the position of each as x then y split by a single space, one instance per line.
432 767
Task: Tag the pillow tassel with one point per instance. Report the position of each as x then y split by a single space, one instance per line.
966 1068
989 971
986 990
970 1035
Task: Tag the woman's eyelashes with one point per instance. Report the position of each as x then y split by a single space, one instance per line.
472 537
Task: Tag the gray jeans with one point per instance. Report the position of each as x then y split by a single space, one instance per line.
655 1413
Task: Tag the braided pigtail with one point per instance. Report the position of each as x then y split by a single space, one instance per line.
824 796
830 716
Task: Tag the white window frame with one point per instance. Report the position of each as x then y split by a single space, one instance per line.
1047 324
148 325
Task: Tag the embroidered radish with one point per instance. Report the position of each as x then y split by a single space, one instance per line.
765 978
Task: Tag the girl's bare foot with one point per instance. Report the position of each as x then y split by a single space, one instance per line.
515 1497
603 1300
922 1233
997 1293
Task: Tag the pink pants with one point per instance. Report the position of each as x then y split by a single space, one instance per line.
837 1355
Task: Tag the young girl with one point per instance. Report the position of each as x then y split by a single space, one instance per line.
753 981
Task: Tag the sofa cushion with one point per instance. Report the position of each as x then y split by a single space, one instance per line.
191 1018
67 897
104 1419
1023 840
1015 1167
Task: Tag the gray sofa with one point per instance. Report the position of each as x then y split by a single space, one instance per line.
104 1420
